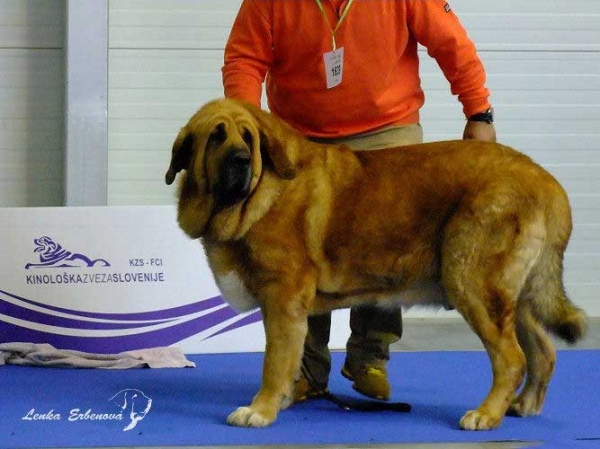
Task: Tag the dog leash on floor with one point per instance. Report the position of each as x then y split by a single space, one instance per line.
352 404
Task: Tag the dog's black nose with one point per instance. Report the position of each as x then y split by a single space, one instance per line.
240 158
235 174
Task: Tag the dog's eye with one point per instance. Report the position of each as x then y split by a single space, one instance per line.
247 136
219 135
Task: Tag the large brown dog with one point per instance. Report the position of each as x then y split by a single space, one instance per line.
299 228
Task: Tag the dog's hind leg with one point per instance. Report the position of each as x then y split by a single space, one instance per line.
486 261
541 357
543 305
494 324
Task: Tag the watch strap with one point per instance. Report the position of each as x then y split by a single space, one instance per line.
486 116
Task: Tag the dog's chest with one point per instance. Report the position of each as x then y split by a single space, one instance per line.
235 292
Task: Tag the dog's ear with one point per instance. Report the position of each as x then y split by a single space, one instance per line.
275 155
278 143
181 155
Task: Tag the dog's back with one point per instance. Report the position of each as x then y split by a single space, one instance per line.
486 223
409 195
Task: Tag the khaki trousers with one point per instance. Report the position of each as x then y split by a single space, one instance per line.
372 329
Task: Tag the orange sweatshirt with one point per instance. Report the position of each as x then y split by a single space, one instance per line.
284 42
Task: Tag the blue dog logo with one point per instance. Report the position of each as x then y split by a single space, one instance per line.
53 255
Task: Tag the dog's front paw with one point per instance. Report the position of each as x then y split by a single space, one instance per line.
476 420
247 417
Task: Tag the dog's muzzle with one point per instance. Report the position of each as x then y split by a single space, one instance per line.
233 179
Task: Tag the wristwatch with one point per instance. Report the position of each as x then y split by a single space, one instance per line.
486 116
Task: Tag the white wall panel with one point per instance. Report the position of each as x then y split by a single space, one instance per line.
152 94
543 64
31 100
167 24
532 25
164 62
31 23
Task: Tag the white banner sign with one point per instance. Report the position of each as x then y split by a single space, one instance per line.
110 279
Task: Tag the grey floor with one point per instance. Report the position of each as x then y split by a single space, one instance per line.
453 334
425 334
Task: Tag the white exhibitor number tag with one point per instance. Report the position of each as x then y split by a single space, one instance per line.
334 67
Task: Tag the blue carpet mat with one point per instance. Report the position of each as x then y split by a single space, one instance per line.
43 407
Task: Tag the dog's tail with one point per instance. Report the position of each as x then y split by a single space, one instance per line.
551 305
549 302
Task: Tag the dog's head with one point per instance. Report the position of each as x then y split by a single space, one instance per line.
227 149
134 401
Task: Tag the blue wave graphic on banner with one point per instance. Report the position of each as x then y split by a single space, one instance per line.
35 322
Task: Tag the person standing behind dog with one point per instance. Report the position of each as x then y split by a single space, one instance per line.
347 71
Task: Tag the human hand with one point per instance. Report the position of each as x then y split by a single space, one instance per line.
479 131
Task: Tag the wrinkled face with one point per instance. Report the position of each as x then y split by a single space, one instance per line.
223 151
